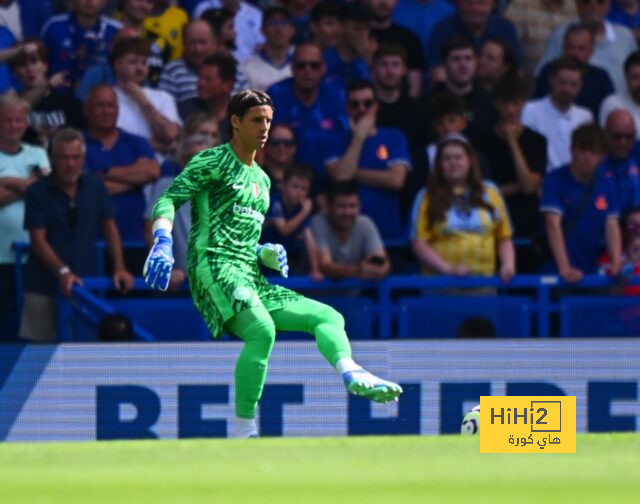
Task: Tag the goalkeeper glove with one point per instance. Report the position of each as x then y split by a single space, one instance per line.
157 267
274 256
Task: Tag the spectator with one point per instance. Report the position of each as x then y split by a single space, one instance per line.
8 50
622 162
376 158
65 214
475 22
201 123
626 13
221 22
596 84
180 77
326 24
312 107
460 221
495 61
300 11
630 260
126 163
50 107
79 39
613 42
629 99
288 221
448 115
386 31
349 244
190 146
247 22
20 165
24 18
580 209
273 62
280 153
556 115
143 111
535 21
115 327
167 22
518 159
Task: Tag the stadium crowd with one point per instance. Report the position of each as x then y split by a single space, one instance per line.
458 137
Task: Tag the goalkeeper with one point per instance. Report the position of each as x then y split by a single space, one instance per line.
229 195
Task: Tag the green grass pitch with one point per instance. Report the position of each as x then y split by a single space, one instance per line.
363 470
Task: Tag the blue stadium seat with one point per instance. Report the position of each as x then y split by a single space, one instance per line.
598 316
440 316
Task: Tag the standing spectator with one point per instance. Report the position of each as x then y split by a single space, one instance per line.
25 18
273 62
376 158
460 221
629 99
50 107
280 153
65 215
596 84
79 39
581 210
387 31
535 21
556 115
626 13
349 244
312 107
623 157
495 61
247 21
20 165
518 159
613 42
180 77
143 111
126 162
475 22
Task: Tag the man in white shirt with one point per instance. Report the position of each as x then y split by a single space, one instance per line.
555 115
629 99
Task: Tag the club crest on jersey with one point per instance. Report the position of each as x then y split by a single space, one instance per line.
255 189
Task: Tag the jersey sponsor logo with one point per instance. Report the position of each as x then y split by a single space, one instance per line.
237 186
602 203
248 212
382 153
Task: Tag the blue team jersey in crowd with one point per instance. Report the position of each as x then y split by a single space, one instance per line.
74 49
129 206
6 40
626 175
341 72
379 152
562 193
294 243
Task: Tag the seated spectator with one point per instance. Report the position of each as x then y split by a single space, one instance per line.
622 161
289 219
201 123
224 31
20 166
630 260
629 99
300 11
143 111
25 18
613 42
518 159
190 146
596 84
65 215
460 222
580 209
180 77
556 115
387 31
273 62
79 39
349 244
167 22
475 22
280 153
50 108
126 163
495 61
326 24
376 158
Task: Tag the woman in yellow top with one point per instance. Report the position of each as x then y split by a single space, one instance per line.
461 221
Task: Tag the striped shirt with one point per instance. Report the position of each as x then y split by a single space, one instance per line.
179 80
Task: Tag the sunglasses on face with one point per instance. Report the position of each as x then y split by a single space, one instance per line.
313 65
622 136
281 142
367 104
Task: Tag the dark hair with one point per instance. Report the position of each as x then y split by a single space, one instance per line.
455 44
565 63
476 327
298 170
510 88
624 223
330 8
127 45
440 193
390 50
115 327
216 19
225 63
243 100
632 60
273 11
341 188
357 11
508 56
22 58
443 103
588 137
360 84
578 28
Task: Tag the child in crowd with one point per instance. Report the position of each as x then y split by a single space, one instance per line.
289 218
447 114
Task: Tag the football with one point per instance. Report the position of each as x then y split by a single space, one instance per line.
471 422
